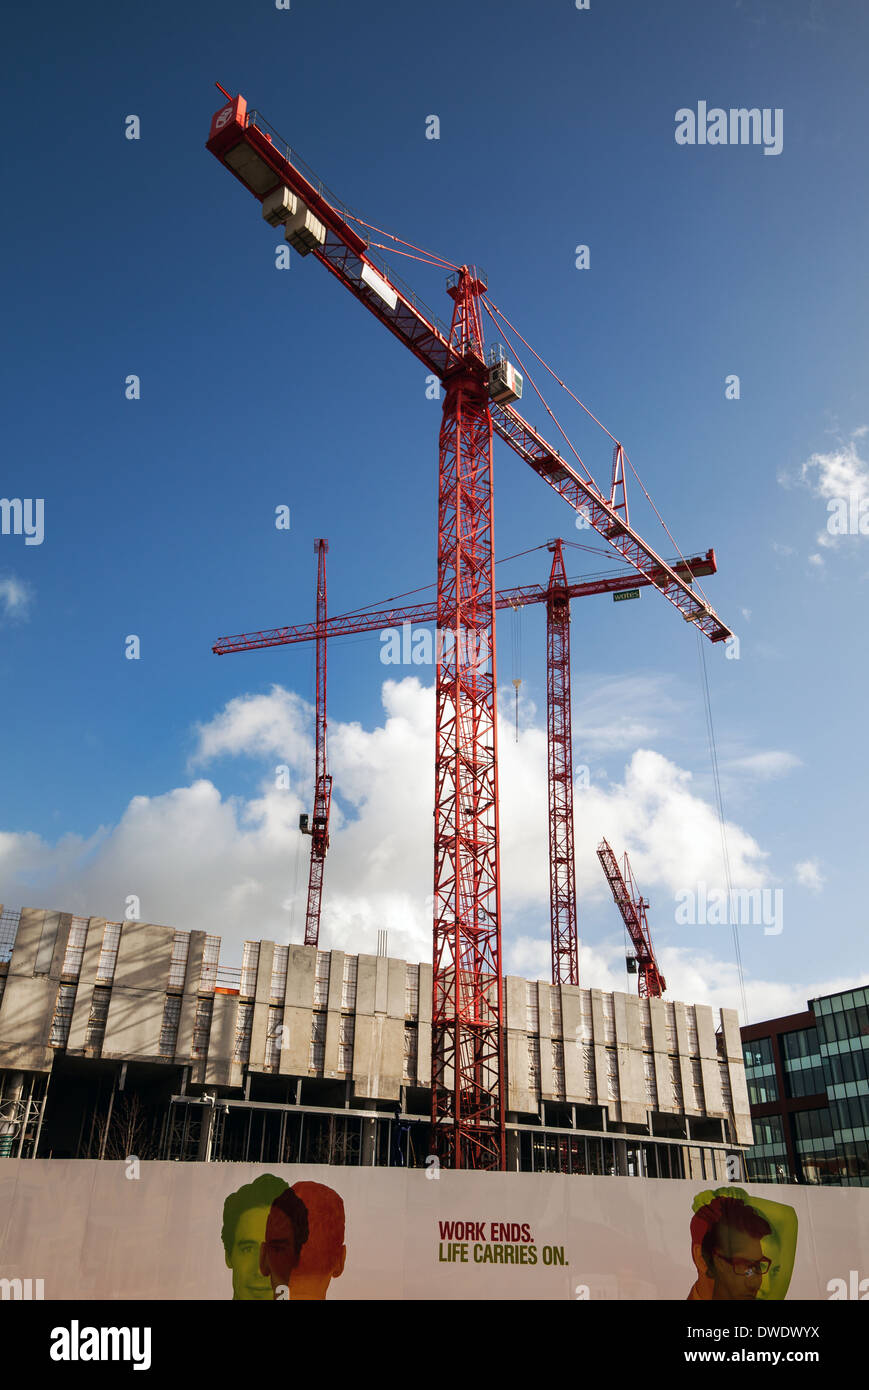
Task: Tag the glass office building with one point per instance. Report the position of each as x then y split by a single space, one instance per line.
808 1088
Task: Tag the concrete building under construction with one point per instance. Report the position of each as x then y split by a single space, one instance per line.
127 1038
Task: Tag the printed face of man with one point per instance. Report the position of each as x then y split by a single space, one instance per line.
243 1258
730 1285
279 1255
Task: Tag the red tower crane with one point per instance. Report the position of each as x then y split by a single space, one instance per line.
632 906
556 595
318 829
562 873
467 1047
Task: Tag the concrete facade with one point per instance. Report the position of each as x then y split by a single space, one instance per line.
575 1058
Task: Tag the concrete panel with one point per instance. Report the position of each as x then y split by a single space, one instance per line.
27 941
84 994
144 957
520 1097
574 1072
221 1040
261 1007
706 1031
732 1040
514 1003
301 975
134 1023
378 1056
336 979
396 991
297 1050
666 1104
425 988
189 1000
366 985
25 1021
688 1087
61 937
658 1015
714 1101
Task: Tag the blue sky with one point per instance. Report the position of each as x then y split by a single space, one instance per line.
262 387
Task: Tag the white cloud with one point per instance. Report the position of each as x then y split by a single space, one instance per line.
839 475
809 875
16 597
773 763
238 866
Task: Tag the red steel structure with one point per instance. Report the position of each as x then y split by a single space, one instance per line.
467 1058
632 906
556 595
319 827
562 873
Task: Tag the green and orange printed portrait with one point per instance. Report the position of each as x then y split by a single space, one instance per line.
743 1247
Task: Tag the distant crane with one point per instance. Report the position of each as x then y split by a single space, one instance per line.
556 595
632 906
318 827
480 392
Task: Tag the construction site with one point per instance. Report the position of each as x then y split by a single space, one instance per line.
451 1059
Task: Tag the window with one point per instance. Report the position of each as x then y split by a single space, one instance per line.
317 1054
62 1016
9 919
243 1030
202 1026
169 1029
249 966
274 1037
210 961
96 1026
411 991
408 1072
278 982
109 953
321 980
78 931
346 1034
178 964
348 984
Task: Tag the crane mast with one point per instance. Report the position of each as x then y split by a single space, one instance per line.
319 825
562 872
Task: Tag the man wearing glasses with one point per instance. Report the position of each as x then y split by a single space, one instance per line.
726 1235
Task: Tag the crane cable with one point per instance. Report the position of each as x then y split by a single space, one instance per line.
486 303
719 803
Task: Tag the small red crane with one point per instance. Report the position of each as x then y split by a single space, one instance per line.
318 828
632 906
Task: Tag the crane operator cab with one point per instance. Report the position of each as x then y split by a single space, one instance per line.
505 383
